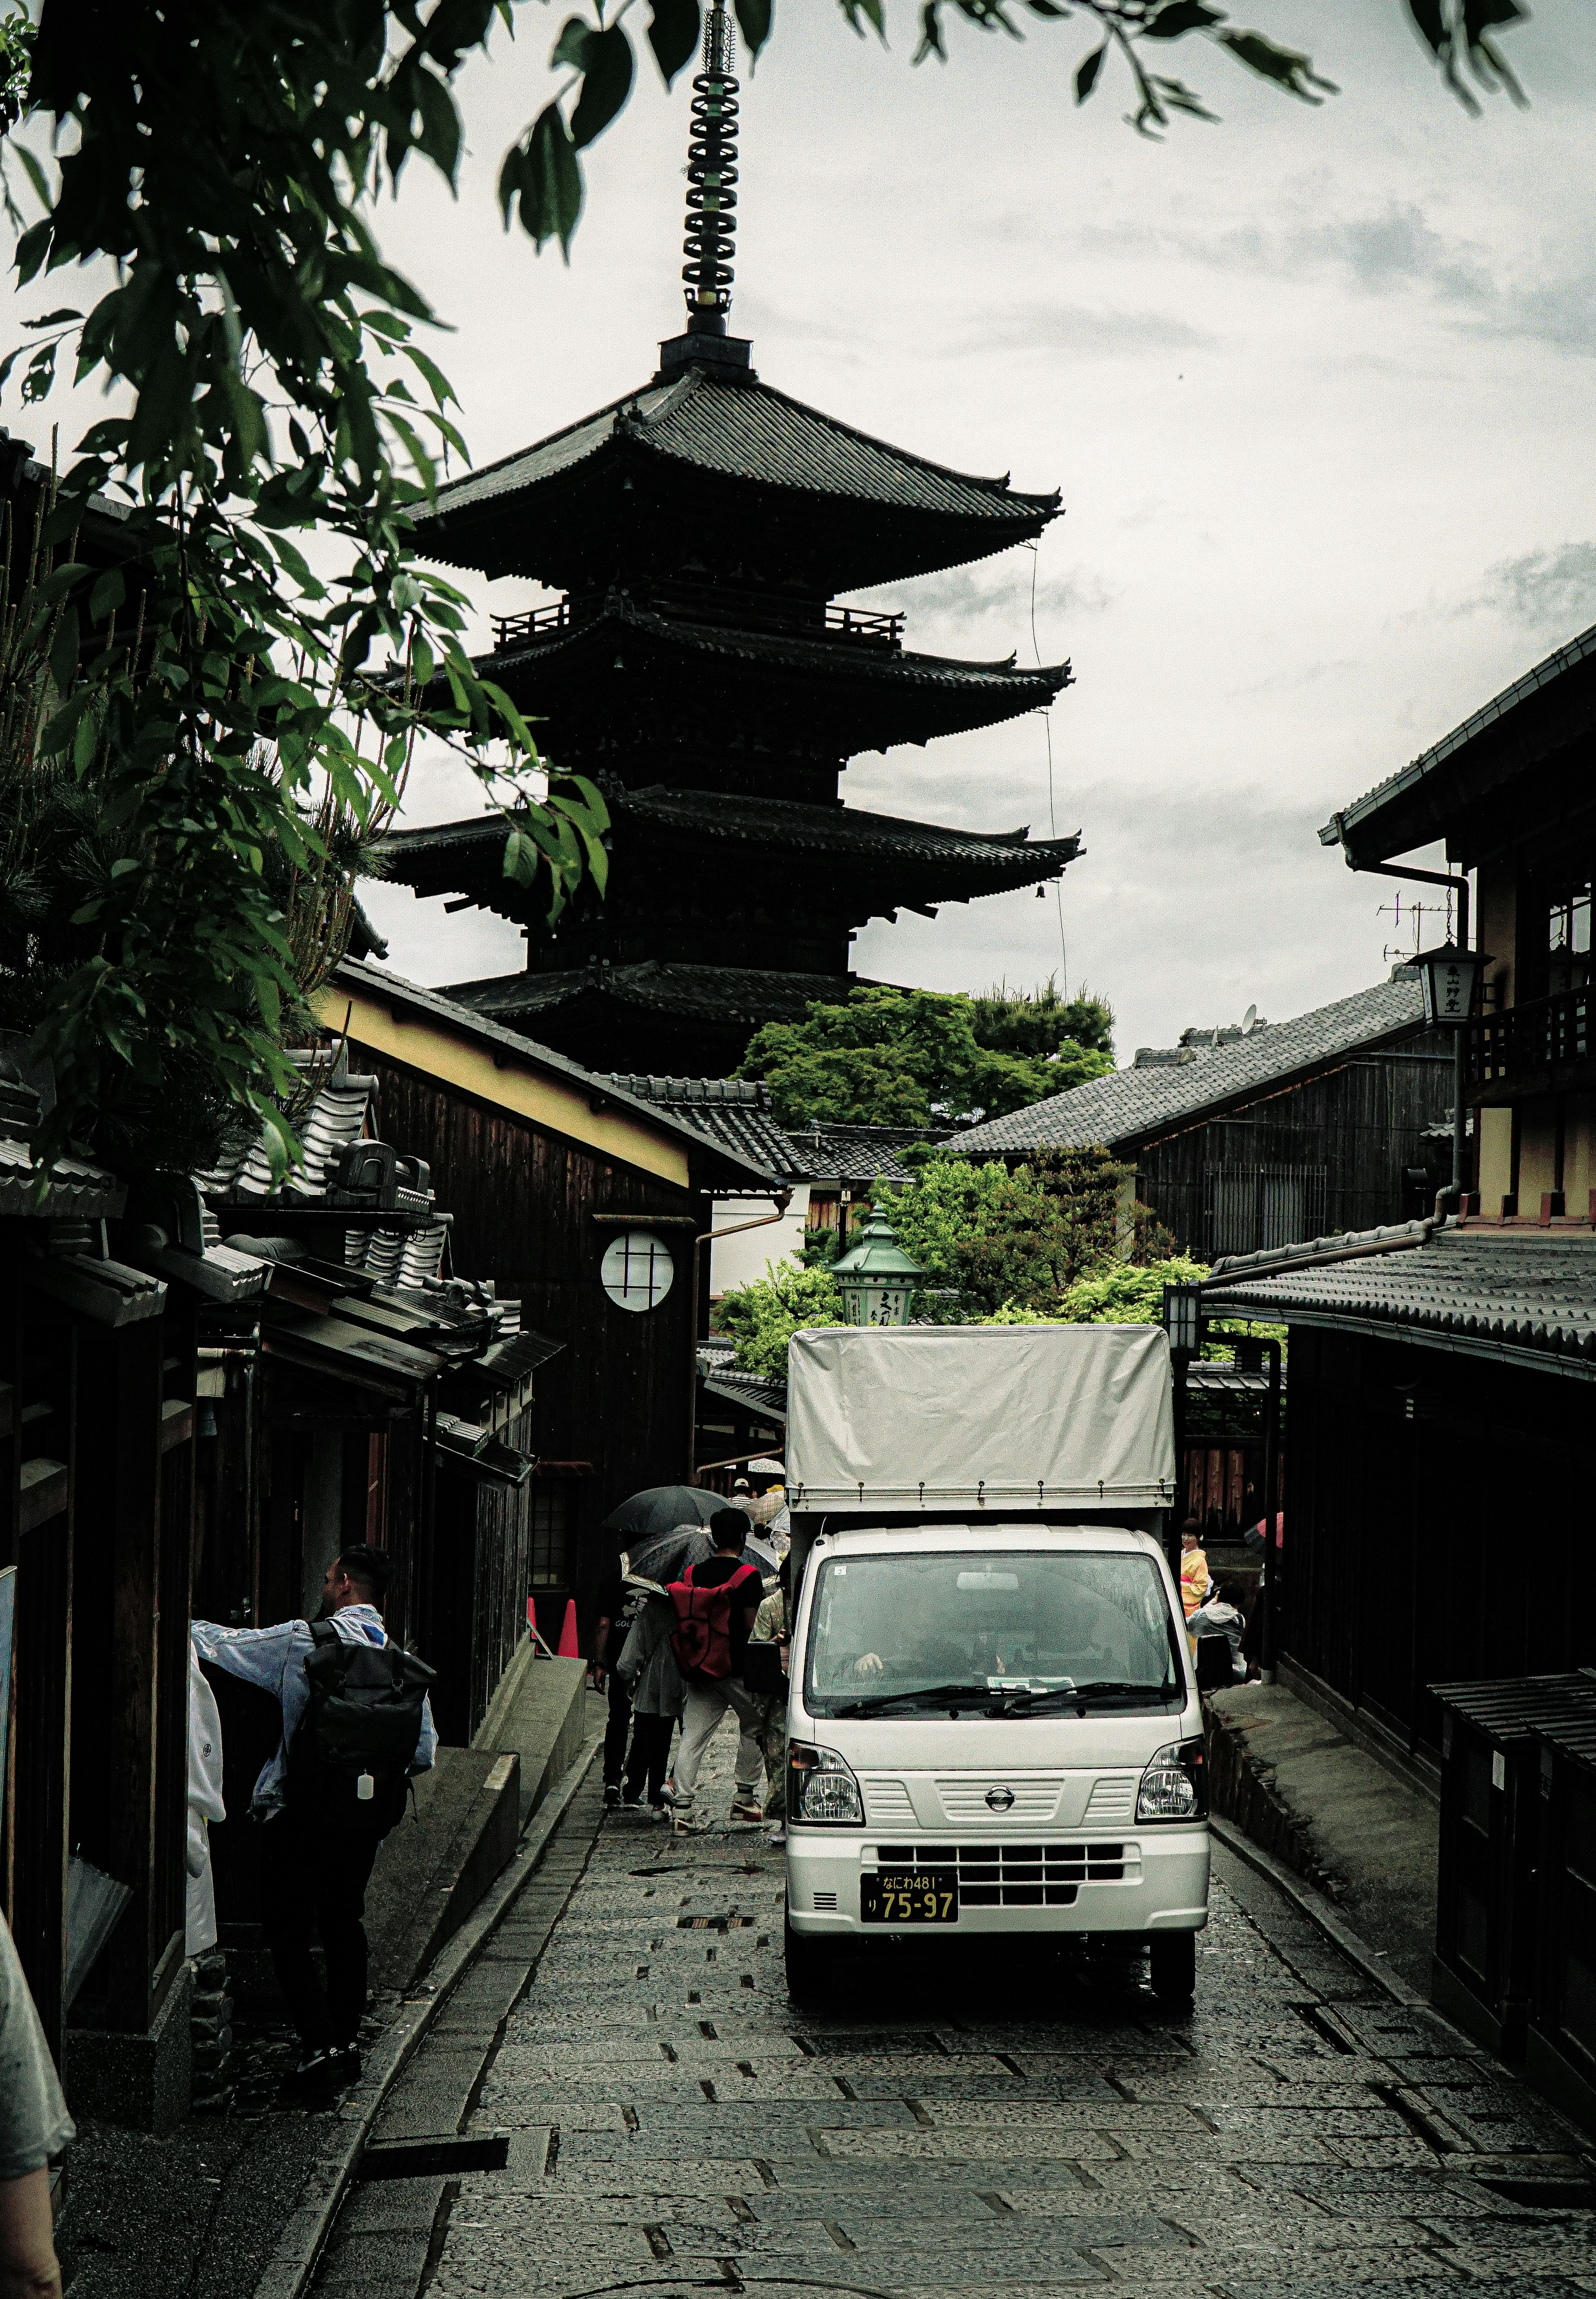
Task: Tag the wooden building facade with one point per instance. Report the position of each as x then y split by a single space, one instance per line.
1240 1139
564 1189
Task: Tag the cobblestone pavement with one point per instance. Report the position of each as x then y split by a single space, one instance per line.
984 2125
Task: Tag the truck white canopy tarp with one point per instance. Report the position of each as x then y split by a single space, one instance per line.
990 1416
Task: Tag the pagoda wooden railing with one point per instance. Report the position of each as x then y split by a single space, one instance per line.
1545 1046
743 610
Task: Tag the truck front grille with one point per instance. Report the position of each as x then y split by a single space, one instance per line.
1014 1875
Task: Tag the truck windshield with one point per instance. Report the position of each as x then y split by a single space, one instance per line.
884 1629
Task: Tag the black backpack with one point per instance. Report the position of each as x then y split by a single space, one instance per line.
362 1723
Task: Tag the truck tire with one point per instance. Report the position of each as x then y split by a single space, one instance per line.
806 1961
1172 1966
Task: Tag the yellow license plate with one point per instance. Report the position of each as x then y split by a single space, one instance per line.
910 1895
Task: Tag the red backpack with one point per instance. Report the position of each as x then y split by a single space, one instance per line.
701 1636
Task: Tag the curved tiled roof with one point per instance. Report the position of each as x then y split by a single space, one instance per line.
875 669
1360 822
749 431
732 993
1513 1294
734 1112
1132 1104
775 825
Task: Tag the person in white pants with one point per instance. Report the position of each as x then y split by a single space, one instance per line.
708 1697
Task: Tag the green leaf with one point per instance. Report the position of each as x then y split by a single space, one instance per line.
753 21
548 188
1178 16
1288 68
1085 79
52 318
108 593
32 249
674 29
606 84
439 139
570 49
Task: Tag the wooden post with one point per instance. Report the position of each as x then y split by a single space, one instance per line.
45 1406
118 1587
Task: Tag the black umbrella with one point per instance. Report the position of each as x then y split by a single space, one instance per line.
660 1510
668 1556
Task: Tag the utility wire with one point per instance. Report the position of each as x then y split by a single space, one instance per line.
1052 818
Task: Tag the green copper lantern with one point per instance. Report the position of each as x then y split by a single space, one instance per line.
876 1276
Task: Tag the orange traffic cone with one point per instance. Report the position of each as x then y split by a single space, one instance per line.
569 1649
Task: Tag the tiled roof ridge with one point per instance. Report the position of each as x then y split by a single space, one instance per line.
751 1093
1339 1245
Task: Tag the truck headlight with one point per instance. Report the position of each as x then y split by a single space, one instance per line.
1175 1785
821 1789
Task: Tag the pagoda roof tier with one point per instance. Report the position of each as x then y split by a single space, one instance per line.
725 468
589 674
860 864
627 1014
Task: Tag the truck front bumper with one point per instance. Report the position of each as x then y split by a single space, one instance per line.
1161 1885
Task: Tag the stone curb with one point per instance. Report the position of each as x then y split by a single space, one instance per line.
1335 1928
292 2263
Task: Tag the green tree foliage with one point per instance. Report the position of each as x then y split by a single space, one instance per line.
995 1238
1041 1022
222 160
763 1318
891 1057
1124 1294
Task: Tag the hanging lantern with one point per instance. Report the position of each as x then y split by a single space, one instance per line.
1449 977
876 1276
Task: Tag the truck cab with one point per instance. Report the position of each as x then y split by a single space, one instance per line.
994 1726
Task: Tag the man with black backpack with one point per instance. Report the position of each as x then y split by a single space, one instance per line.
715 1604
356 1724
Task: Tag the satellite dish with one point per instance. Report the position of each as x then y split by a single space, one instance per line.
1248 1021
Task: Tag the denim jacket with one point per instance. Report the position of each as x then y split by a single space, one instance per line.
275 1659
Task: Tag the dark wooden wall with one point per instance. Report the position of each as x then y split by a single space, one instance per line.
621 1393
1452 1543
1362 1123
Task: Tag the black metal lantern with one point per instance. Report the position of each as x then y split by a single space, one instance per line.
1449 977
1183 1318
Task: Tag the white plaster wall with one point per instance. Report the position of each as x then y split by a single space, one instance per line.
739 1260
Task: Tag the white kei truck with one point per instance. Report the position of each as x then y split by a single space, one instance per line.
993 1725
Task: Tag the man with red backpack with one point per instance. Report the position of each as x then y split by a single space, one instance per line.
715 1605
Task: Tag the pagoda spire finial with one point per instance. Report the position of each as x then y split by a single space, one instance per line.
712 223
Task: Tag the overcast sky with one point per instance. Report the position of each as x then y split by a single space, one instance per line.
1316 387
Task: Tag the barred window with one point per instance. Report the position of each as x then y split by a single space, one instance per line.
553 1516
637 1270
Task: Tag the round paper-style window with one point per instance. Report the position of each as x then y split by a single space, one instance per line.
637 1270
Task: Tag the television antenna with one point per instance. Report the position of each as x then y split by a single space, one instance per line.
1413 917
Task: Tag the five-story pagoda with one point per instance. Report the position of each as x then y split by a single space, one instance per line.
696 668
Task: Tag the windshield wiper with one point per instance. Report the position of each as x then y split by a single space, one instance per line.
1072 1692
937 1692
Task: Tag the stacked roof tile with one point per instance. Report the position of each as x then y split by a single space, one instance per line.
1515 1294
1146 1100
750 431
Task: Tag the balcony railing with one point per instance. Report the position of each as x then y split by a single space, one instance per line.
743 611
1543 1047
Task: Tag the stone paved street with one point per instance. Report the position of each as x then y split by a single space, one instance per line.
1012 2124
